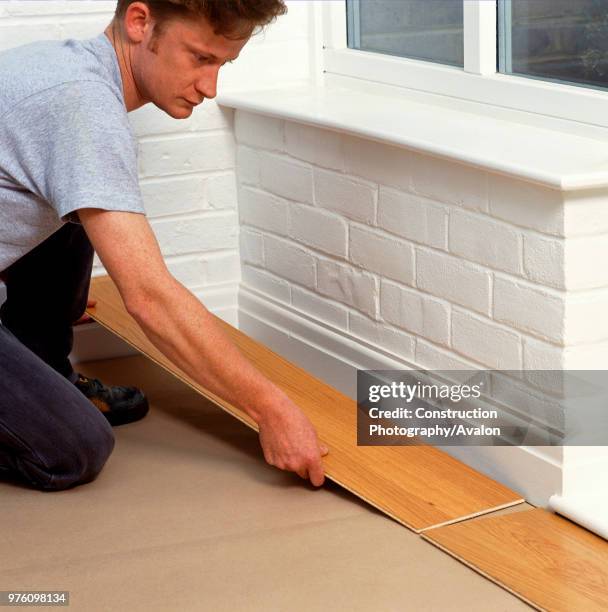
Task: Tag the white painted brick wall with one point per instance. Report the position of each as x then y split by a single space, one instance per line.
475 268
355 199
415 312
319 229
456 280
377 252
285 177
483 240
348 285
529 309
412 217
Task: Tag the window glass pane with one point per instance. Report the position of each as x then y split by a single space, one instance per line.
420 29
558 40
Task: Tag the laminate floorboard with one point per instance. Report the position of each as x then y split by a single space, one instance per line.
545 559
419 486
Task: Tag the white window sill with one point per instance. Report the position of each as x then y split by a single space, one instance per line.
553 158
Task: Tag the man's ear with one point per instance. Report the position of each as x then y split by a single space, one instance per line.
137 21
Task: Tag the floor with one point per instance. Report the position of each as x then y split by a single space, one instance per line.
187 516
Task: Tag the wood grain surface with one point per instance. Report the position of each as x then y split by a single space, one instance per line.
546 560
419 486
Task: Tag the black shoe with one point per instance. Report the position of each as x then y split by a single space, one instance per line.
119 405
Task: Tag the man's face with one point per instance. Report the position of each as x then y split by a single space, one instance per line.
178 69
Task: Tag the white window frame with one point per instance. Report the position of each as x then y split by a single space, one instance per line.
478 82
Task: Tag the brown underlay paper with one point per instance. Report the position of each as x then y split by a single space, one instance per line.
419 486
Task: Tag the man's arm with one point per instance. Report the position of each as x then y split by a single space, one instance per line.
183 329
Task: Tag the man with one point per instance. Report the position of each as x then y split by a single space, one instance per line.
68 184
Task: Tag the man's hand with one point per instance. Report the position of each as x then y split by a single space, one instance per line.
289 442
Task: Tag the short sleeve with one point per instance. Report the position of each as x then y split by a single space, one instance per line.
73 146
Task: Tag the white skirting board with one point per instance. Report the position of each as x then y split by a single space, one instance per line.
589 511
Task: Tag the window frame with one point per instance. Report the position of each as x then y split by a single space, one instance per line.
479 81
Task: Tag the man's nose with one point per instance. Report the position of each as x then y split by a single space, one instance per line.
206 85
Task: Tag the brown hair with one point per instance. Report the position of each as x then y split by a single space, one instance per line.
234 19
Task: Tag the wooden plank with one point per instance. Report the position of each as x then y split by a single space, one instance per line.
546 560
419 486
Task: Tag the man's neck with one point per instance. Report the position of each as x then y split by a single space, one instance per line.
133 99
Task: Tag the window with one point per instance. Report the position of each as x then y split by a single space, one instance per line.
558 40
546 57
416 29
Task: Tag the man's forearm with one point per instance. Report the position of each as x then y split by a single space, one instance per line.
187 333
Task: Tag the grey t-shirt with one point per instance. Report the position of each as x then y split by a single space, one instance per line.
66 142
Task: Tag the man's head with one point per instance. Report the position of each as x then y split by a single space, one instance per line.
173 49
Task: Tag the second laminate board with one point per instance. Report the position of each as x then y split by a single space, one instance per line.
548 561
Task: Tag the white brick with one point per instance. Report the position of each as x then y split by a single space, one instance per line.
485 342
318 229
286 178
259 131
585 262
449 181
543 364
377 162
318 146
526 204
183 154
263 210
252 246
82 27
262 281
348 285
221 267
36 8
187 270
432 357
412 217
247 166
382 337
586 212
453 279
203 233
174 195
485 241
353 198
544 260
529 309
319 308
221 191
289 261
383 254
23 33
586 317
150 120
415 312
541 355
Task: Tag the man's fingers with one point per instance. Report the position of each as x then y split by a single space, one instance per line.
316 474
323 449
91 302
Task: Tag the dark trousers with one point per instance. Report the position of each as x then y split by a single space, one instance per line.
51 436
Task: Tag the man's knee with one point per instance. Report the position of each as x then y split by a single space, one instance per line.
79 460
